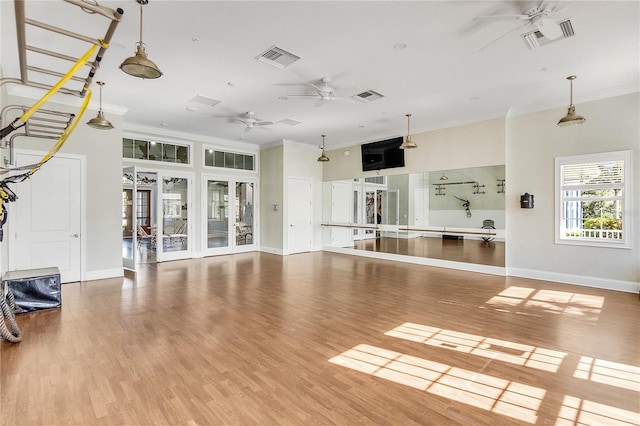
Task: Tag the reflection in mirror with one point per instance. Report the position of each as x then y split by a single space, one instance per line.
456 215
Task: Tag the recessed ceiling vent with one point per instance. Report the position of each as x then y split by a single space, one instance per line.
368 96
205 100
289 121
277 57
535 39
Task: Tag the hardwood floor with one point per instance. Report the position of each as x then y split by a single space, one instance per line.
324 338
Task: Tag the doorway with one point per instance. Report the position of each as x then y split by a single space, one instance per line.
46 221
300 215
230 225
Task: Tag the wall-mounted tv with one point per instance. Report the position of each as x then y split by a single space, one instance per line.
384 154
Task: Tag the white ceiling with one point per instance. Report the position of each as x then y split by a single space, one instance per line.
208 48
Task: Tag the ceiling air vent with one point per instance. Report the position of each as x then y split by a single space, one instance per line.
277 57
289 121
205 100
368 96
535 39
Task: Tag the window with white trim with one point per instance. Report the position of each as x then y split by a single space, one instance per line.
594 199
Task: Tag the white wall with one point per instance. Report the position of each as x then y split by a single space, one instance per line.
272 192
527 145
103 152
300 161
470 145
533 142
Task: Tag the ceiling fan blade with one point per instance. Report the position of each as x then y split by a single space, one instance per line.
501 17
262 123
502 36
293 96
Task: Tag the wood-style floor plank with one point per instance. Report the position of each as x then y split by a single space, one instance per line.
324 338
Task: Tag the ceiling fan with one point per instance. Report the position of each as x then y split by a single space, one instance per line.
323 92
250 121
539 16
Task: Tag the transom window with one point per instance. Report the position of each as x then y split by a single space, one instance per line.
594 198
155 151
228 160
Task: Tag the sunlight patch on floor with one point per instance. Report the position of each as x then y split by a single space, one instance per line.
576 411
610 373
518 299
501 350
486 392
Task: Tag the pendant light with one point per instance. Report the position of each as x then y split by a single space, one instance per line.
139 65
443 177
323 157
100 122
408 143
571 117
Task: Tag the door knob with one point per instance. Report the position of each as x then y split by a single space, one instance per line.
74 235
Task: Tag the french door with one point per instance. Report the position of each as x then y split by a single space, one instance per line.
230 225
174 234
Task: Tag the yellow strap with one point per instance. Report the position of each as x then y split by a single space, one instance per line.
65 134
83 60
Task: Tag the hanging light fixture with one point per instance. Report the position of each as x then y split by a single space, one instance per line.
139 65
100 122
408 143
443 177
571 117
323 157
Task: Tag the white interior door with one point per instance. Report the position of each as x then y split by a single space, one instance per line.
45 221
300 215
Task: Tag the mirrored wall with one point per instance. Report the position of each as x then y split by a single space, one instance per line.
454 215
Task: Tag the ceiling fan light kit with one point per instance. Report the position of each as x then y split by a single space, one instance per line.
323 158
250 121
100 122
408 143
571 118
139 65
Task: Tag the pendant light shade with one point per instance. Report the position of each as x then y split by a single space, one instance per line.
323 158
443 177
571 117
139 65
100 122
408 143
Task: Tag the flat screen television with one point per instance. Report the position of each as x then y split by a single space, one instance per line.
384 154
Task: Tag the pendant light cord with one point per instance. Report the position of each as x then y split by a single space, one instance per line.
140 23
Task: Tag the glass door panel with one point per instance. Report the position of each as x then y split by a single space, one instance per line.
244 222
217 214
129 236
174 200
146 216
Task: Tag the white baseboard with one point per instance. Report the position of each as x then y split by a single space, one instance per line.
102 274
282 252
272 250
603 283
